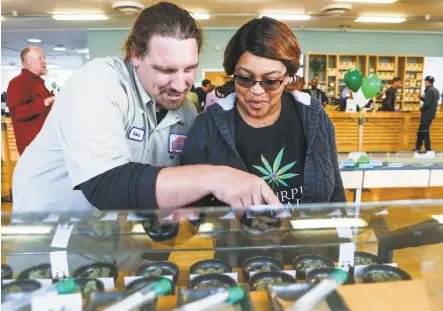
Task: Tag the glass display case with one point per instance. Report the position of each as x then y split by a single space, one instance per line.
390 170
392 160
392 254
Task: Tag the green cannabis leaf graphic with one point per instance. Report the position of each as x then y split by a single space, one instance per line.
274 175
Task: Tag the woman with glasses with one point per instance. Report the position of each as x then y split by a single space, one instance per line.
263 126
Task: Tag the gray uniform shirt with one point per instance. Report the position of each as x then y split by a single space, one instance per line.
102 118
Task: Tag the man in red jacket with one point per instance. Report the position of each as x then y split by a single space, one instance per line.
28 100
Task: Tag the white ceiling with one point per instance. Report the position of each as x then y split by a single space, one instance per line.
34 20
227 13
75 42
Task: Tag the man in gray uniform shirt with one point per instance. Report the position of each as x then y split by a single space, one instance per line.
119 125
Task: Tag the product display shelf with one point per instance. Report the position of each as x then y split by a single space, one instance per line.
408 235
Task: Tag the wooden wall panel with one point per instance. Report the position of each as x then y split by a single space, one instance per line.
383 131
9 156
11 140
383 134
346 132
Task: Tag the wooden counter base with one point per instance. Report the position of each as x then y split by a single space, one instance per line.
383 131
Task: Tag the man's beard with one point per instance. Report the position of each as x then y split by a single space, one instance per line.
170 104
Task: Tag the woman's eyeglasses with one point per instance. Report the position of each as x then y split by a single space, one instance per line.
266 84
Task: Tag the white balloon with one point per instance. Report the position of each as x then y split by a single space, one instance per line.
359 98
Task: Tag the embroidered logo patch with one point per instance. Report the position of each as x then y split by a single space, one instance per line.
176 143
137 134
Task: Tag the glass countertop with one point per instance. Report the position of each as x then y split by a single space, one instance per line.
227 229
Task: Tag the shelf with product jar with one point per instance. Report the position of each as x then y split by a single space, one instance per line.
408 68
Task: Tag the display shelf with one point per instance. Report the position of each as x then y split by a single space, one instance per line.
413 73
387 67
231 236
386 76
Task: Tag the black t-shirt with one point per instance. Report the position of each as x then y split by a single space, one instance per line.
319 94
161 115
277 152
201 95
389 101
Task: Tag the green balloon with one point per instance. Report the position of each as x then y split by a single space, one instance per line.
353 79
54 85
371 86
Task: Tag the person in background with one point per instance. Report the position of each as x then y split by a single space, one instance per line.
428 111
388 103
202 92
301 86
317 93
28 100
262 125
211 98
343 100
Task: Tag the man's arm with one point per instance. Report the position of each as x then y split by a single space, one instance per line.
129 186
427 103
236 188
20 104
137 186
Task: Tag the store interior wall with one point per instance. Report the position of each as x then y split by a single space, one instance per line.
109 43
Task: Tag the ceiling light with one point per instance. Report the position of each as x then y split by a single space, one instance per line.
59 49
380 19
80 17
128 7
52 66
369 1
201 15
83 51
34 40
287 17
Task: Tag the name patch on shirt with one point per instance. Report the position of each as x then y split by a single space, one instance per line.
137 134
176 143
